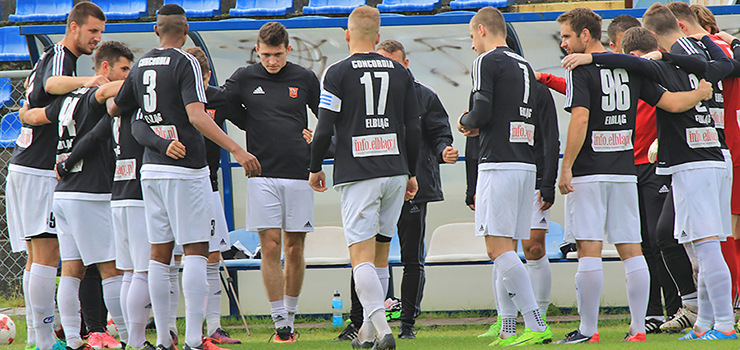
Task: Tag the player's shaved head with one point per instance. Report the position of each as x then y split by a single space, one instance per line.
391 46
364 23
492 19
581 18
639 39
620 24
660 20
200 55
682 11
171 20
705 18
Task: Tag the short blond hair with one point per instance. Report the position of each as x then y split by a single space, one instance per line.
492 19
364 22
660 20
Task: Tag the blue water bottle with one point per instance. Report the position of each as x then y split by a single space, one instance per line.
336 308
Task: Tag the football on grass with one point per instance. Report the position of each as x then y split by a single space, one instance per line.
7 330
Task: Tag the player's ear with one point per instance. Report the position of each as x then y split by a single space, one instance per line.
346 35
156 30
406 62
257 47
187 27
482 30
377 39
614 47
287 51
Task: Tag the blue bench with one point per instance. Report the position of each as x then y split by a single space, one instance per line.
13 45
10 128
117 9
259 8
41 10
6 92
322 7
477 4
409 5
198 8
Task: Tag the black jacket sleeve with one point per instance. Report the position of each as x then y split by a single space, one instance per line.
436 124
628 62
720 65
87 144
146 137
690 64
551 138
480 114
472 150
322 138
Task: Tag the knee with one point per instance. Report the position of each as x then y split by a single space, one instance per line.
294 251
534 252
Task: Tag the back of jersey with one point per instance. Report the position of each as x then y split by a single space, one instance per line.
163 82
375 98
508 136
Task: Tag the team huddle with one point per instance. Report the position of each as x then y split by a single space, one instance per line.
119 170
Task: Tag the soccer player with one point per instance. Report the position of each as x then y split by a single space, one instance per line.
436 148
82 197
167 84
598 172
689 25
30 174
503 113
279 202
372 103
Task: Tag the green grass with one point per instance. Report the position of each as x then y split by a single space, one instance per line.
439 337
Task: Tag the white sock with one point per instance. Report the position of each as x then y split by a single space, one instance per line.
213 305
504 306
279 314
194 291
705 314
515 279
42 288
112 297
174 288
370 292
291 307
30 331
716 275
540 276
385 277
125 286
139 306
159 293
589 282
68 298
638 291
690 299
367 330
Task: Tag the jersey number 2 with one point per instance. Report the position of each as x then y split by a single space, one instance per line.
150 98
370 96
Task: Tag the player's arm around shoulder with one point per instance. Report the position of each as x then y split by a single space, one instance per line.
108 90
679 102
33 116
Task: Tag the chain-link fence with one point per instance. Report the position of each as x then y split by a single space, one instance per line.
11 264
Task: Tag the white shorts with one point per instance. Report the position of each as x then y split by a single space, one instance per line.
220 240
133 250
279 203
29 202
85 231
599 209
701 198
179 210
503 203
540 219
371 207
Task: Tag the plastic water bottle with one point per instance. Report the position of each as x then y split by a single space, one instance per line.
336 308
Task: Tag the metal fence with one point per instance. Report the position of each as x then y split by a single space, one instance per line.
11 264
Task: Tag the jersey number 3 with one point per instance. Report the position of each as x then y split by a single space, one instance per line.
150 97
370 95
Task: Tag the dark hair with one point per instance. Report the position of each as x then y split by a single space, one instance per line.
391 46
111 52
682 11
581 18
492 19
660 20
620 24
171 20
273 34
639 39
84 10
200 55
705 18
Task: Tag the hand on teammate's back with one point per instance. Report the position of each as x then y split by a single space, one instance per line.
726 37
250 163
176 150
317 181
655 55
574 60
96 80
411 188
